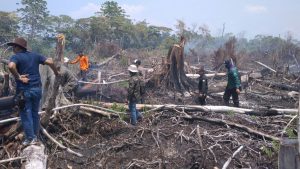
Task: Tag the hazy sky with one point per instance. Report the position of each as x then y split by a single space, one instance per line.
241 17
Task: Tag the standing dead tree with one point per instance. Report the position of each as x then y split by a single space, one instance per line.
54 82
173 69
225 52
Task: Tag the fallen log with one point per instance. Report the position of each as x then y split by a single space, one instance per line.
109 59
104 83
279 85
35 157
194 76
103 113
7 103
208 108
63 107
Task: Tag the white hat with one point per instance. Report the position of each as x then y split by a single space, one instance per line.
66 60
133 68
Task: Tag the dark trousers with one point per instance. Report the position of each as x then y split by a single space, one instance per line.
83 74
202 100
235 97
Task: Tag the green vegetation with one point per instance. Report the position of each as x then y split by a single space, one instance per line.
290 133
267 151
253 117
118 107
124 84
231 113
145 109
276 145
270 151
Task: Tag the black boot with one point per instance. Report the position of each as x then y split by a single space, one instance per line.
236 104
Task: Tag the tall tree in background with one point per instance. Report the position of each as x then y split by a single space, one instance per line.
181 28
60 24
111 9
115 17
33 17
8 26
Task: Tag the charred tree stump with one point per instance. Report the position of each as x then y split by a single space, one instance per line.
173 70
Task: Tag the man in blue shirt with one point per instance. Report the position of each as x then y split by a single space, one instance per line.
24 65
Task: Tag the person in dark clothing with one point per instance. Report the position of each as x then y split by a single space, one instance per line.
24 65
137 62
202 86
233 84
134 94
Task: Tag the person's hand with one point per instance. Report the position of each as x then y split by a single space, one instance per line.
24 78
238 91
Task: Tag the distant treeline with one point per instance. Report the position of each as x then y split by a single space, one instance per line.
111 25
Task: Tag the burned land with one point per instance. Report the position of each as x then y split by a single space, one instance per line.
175 132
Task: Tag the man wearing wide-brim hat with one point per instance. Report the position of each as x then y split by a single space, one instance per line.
134 94
24 65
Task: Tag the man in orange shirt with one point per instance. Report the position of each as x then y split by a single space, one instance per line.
84 65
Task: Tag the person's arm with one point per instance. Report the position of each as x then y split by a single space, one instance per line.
237 82
130 90
50 63
13 69
87 62
75 61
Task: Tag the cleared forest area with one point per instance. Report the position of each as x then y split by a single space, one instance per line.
91 128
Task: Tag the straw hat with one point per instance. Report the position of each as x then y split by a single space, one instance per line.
133 68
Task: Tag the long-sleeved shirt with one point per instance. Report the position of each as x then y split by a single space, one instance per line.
83 61
134 89
202 85
233 78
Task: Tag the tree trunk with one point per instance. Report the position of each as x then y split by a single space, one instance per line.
175 76
216 109
54 86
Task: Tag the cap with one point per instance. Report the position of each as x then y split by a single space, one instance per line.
137 62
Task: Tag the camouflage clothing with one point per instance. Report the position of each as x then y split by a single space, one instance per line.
134 89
